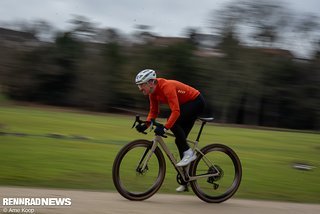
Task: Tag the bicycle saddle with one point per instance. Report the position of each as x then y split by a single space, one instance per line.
206 119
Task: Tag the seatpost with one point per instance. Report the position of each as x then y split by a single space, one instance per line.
200 131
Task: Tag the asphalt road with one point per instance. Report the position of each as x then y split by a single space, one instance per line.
113 203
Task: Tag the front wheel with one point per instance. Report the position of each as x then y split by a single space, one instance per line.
222 162
134 179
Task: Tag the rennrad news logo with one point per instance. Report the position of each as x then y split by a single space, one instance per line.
36 202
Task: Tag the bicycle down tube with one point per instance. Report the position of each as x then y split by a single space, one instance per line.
184 173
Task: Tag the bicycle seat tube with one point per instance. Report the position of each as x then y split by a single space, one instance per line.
172 159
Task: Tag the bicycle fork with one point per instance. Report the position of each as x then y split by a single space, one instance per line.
143 164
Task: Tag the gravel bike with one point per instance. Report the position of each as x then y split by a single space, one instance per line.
139 168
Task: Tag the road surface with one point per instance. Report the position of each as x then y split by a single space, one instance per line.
113 203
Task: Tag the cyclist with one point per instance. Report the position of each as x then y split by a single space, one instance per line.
186 104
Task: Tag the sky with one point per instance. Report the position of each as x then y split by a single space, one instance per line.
167 17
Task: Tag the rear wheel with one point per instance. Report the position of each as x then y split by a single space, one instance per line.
220 160
130 179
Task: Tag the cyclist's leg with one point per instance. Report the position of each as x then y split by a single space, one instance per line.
182 146
181 129
180 140
189 113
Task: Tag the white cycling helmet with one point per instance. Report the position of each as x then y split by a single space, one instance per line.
145 75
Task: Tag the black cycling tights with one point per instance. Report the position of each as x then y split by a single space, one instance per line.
189 112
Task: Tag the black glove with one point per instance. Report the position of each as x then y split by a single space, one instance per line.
160 130
141 127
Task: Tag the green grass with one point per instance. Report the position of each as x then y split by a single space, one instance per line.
38 160
3 98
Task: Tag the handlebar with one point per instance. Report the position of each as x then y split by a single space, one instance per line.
153 123
139 122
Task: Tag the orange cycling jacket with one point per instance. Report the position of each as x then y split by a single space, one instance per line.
173 93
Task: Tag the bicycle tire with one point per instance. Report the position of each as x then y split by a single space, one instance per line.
118 180
208 195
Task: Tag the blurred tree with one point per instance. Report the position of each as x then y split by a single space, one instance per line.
269 20
143 34
267 23
83 28
56 84
181 63
47 73
228 80
306 33
260 87
108 35
91 89
95 68
41 29
115 60
191 34
20 83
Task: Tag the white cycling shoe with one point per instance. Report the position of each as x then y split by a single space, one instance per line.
182 188
188 157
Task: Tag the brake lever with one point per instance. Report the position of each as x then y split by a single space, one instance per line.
136 121
153 122
151 125
134 124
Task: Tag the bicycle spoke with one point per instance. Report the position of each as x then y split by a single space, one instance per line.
224 179
132 177
225 171
137 172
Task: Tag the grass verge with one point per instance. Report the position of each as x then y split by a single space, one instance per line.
64 149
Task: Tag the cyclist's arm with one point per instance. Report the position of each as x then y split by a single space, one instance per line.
154 108
173 103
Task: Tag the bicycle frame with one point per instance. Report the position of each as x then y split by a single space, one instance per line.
183 171
213 163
